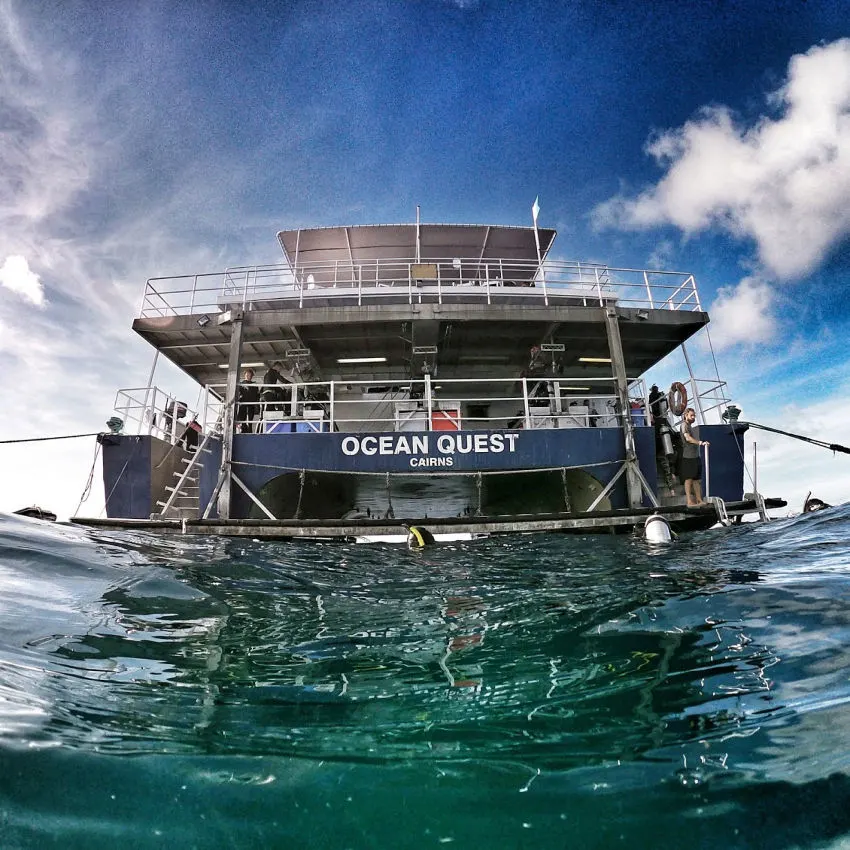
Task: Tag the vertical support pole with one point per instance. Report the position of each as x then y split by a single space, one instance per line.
697 400
428 398
332 393
230 394
150 405
618 366
525 406
755 470
707 473
648 291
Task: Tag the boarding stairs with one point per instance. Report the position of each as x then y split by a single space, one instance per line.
184 500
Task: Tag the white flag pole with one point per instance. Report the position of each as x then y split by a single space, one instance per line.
535 211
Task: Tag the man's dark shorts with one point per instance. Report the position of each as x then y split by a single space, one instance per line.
690 469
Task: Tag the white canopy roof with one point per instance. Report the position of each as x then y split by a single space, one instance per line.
368 243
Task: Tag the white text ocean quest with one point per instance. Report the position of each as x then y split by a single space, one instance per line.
419 446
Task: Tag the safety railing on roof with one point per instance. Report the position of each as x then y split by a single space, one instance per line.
435 281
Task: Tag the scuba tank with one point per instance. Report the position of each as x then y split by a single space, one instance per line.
665 432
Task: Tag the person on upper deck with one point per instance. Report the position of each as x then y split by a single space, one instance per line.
272 395
690 467
249 396
657 405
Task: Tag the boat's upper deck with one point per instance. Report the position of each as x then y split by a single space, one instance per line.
381 301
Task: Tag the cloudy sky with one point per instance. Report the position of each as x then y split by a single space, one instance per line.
142 139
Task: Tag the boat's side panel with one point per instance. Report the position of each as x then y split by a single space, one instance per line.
127 476
450 451
259 458
136 471
725 461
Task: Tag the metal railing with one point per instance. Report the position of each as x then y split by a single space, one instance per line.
150 410
378 405
437 281
430 405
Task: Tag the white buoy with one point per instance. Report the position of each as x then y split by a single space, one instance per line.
656 529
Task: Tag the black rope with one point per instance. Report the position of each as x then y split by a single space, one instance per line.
41 439
833 447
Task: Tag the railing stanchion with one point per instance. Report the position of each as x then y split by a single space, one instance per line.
707 474
428 398
332 393
648 291
525 406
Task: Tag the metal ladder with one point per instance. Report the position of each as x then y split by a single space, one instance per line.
187 489
720 507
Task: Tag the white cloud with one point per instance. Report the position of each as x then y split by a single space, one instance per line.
782 182
16 275
741 314
789 468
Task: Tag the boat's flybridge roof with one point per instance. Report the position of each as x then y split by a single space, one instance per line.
483 322
421 243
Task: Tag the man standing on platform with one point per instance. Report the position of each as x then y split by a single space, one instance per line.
690 467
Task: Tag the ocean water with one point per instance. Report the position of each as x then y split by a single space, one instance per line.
532 692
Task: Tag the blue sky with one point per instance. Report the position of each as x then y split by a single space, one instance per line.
147 139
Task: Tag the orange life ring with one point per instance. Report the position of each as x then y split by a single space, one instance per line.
677 398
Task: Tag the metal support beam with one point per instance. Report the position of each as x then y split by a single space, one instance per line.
230 398
618 367
251 496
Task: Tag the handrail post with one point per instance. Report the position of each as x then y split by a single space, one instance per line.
331 407
439 285
648 290
359 285
428 398
525 403
707 474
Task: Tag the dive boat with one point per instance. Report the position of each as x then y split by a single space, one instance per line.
456 376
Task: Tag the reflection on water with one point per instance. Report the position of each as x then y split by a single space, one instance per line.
542 691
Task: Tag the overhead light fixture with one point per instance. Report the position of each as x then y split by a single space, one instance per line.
594 360
361 360
242 366
203 321
575 389
298 352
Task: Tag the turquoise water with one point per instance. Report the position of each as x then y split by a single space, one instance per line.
533 692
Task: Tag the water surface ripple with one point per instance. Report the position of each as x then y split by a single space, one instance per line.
535 691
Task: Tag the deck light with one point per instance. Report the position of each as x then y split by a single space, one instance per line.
594 360
203 321
361 360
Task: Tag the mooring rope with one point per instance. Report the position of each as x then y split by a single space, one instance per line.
42 439
87 488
